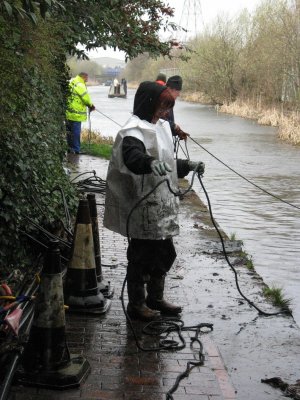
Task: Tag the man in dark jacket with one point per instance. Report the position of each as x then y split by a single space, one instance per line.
174 83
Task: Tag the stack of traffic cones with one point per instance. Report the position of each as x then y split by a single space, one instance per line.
46 361
82 291
104 286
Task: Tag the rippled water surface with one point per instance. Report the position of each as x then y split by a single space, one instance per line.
269 228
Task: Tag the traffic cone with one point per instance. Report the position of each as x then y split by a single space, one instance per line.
46 361
82 292
104 286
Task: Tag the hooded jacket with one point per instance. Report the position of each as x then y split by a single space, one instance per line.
126 210
146 98
78 100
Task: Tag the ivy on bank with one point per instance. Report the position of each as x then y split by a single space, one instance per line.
32 137
36 37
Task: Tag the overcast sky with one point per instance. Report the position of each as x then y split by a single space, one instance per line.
206 13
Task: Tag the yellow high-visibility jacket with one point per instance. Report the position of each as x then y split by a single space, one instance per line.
78 100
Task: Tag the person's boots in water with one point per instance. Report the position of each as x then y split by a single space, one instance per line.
137 308
155 298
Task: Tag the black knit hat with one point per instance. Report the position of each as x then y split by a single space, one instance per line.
175 82
146 98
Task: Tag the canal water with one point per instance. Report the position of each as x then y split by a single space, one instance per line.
268 227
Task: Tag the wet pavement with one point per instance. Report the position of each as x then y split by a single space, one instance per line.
243 347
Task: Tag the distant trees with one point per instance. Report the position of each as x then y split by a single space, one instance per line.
145 68
90 67
271 52
251 56
214 65
265 54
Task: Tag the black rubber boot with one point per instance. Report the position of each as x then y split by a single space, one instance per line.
137 308
155 299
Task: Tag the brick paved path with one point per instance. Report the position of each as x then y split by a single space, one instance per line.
119 370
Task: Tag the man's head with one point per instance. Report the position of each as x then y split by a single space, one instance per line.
174 83
161 78
84 76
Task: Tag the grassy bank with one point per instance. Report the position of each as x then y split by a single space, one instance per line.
96 145
288 123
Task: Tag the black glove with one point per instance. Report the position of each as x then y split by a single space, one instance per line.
160 168
92 108
197 166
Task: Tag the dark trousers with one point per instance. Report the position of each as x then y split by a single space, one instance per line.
149 258
73 129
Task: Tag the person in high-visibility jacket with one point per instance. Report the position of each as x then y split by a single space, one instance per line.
78 101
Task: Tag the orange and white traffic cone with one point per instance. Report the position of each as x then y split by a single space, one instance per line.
82 291
46 361
104 286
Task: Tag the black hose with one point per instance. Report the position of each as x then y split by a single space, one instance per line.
284 311
177 193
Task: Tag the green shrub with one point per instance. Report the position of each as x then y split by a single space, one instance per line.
36 37
32 137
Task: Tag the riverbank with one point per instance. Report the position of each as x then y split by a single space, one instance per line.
288 123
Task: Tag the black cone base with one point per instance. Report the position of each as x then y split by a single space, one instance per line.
68 377
96 304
